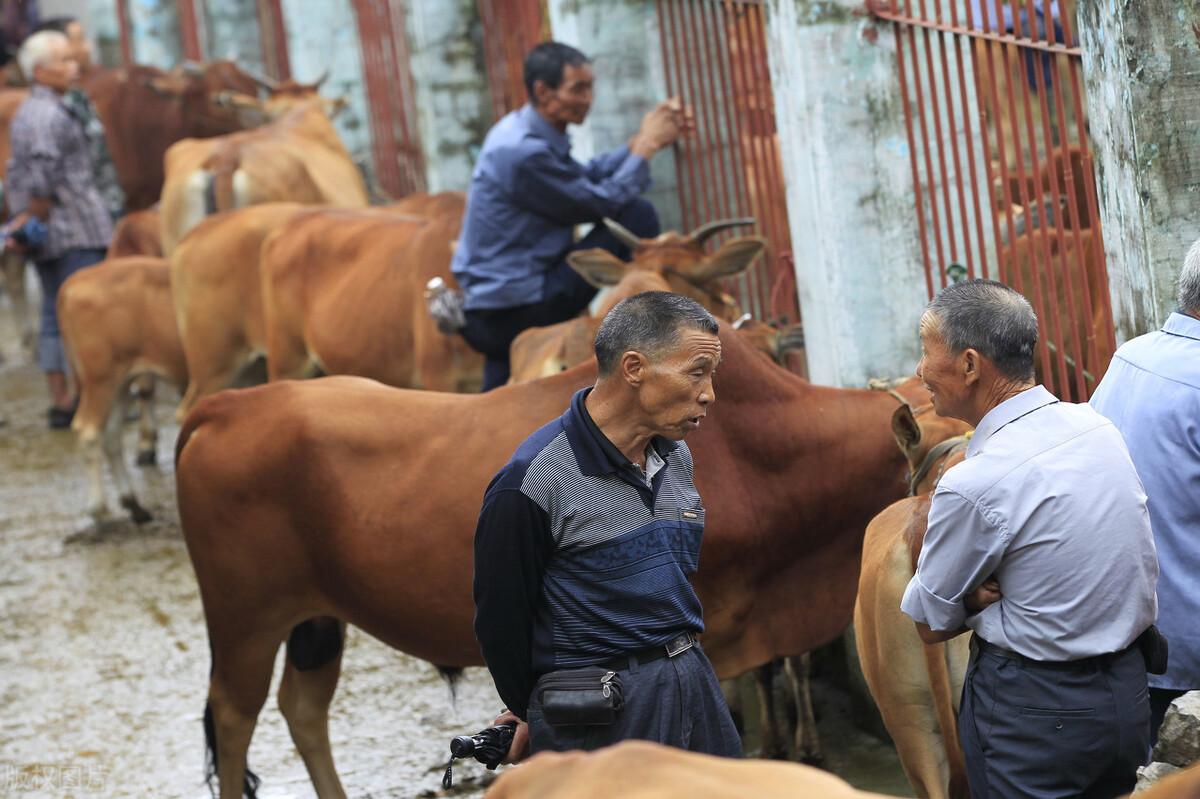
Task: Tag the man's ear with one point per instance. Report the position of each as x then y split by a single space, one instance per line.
598 267
632 367
905 429
971 363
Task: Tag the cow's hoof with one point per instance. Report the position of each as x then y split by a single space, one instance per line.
139 514
147 458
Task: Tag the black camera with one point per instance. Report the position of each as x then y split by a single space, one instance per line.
487 746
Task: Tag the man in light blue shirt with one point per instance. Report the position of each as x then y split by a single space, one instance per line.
527 194
1040 542
1151 392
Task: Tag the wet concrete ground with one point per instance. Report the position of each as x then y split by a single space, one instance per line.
104 659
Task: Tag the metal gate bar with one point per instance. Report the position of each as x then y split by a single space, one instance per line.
1044 234
510 30
189 30
399 164
714 58
273 33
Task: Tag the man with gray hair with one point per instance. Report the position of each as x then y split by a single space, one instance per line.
1151 392
587 540
1040 543
51 185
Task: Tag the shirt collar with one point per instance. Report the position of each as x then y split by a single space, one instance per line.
594 453
1007 412
538 126
1180 324
44 92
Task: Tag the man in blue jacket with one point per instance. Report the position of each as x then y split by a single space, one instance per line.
527 195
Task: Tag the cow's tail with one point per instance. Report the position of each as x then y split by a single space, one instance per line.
942 692
222 166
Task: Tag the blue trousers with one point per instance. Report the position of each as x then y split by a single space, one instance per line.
491 331
673 701
53 272
1054 730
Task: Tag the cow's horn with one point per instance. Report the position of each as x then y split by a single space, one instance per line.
262 80
324 77
704 232
623 234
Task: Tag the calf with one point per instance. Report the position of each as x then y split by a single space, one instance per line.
118 326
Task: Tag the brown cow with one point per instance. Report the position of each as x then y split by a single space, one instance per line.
297 157
118 325
145 110
917 687
137 233
670 262
218 305
347 510
343 293
644 770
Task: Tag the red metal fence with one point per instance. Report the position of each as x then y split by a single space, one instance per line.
395 144
1002 167
510 29
715 56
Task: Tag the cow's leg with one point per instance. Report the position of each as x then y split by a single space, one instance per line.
314 662
143 392
241 679
14 281
114 452
808 743
772 741
91 424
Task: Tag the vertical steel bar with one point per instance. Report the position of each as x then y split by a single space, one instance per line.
189 30
985 144
273 34
689 198
965 117
931 76
929 170
699 155
707 131
912 156
776 193
123 31
751 143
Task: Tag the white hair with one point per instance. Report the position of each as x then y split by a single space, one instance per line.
1189 281
37 49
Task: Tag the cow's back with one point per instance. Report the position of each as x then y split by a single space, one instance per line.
644 770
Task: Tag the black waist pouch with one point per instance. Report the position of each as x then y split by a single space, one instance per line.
1153 645
588 696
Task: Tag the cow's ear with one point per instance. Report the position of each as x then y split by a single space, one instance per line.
598 267
905 429
734 256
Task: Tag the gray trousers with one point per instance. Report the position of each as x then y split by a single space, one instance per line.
1054 730
674 701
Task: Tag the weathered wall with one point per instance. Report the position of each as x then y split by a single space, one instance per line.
849 190
1142 69
230 30
622 39
453 103
323 36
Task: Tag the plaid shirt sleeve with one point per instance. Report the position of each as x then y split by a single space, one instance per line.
35 160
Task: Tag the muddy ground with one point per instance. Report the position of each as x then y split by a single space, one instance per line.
104 659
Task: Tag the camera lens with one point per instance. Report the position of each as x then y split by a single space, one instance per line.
462 746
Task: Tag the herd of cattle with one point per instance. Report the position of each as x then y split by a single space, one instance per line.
307 505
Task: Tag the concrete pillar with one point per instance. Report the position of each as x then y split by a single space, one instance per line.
1141 64
849 190
324 36
453 102
154 29
622 39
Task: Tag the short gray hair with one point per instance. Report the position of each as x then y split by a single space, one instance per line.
35 50
648 323
989 317
1189 281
